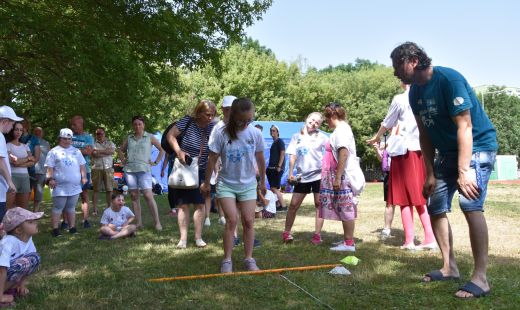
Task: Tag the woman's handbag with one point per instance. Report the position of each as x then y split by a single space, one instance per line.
396 145
184 176
355 175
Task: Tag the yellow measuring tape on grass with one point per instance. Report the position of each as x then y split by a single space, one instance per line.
242 273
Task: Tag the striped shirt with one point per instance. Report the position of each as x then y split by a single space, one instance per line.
192 137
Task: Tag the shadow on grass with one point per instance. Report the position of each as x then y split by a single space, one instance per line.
81 272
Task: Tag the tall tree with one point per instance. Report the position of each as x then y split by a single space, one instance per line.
109 60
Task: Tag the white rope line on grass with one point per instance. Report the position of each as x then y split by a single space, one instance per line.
302 289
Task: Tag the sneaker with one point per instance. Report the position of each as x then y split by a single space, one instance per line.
222 220
430 246
385 233
344 248
64 226
256 243
251 264
316 239
338 242
86 224
236 242
226 266
73 231
182 244
207 222
287 237
56 232
409 247
200 243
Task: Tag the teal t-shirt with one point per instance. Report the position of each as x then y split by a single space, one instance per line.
82 141
446 95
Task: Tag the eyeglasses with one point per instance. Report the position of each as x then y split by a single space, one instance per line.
333 105
66 138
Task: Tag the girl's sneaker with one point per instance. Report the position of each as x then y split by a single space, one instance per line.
207 222
287 237
182 244
316 239
342 247
409 247
222 220
226 266
200 243
251 264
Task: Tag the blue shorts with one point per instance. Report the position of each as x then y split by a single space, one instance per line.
446 175
242 193
138 180
87 185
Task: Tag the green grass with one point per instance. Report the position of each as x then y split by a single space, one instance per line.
81 272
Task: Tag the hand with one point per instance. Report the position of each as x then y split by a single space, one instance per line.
52 184
12 159
373 140
83 180
290 179
278 169
182 157
12 187
88 150
467 184
22 290
429 186
6 298
205 189
336 184
162 173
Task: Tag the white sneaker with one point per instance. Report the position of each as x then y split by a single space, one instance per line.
200 243
207 222
344 248
430 246
182 244
222 220
385 233
409 247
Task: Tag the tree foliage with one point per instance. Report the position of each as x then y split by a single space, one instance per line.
109 60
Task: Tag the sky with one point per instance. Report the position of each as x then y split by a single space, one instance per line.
480 39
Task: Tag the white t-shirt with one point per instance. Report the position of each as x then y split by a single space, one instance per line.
342 137
271 207
66 163
116 218
238 156
400 113
20 151
5 157
13 248
309 151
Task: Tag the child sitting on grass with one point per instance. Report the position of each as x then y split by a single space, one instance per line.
115 222
18 256
265 205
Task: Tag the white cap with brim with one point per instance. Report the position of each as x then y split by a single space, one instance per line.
65 133
227 102
8 112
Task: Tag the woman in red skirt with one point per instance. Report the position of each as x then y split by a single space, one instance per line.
407 172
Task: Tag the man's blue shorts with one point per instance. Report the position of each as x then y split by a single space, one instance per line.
446 175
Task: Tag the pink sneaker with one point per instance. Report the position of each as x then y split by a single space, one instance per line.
316 239
287 237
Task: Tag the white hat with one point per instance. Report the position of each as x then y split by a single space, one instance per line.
8 112
65 133
228 101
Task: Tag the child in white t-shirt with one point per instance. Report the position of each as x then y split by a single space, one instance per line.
115 222
265 204
18 256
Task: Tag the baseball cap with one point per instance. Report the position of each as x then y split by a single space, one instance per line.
16 216
228 101
65 133
8 112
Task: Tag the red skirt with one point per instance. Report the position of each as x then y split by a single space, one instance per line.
407 175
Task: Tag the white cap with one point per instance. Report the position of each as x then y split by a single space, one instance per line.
8 112
228 101
65 133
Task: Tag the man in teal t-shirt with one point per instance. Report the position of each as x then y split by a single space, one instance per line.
451 120
85 143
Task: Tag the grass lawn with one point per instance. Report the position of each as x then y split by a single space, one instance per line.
81 272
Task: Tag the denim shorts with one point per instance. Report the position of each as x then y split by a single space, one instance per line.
138 180
241 193
446 175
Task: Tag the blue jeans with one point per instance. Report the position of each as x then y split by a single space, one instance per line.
446 175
